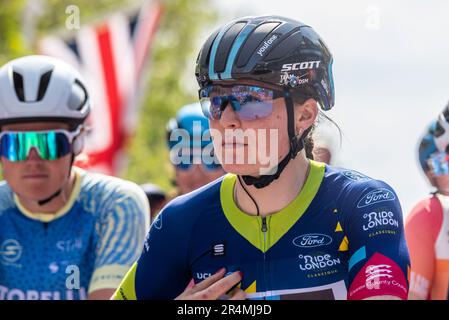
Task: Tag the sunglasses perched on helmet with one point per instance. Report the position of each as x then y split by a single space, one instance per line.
50 144
249 102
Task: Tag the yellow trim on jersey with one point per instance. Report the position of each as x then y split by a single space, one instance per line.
48 217
107 277
279 223
127 290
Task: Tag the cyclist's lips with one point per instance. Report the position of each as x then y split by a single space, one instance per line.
35 176
233 145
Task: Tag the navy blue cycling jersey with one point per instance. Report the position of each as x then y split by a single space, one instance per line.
341 238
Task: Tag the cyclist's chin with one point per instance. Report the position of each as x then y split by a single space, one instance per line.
245 169
35 189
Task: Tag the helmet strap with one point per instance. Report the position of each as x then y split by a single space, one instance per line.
296 145
57 193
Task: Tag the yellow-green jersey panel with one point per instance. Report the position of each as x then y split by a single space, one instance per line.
88 245
341 238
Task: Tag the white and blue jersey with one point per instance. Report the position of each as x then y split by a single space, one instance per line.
88 245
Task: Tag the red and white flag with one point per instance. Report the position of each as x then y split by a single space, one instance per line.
111 56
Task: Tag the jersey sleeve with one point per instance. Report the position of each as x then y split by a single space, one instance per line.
122 226
375 242
421 230
162 271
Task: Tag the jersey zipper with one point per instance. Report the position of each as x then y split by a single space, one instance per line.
265 267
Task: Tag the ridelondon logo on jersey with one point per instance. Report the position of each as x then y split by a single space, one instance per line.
316 262
379 276
379 219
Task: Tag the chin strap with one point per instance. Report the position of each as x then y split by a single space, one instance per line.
57 193
296 145
47 200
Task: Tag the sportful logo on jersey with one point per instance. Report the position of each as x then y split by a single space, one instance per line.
309 262
10 251
356 176
312 240
218 250
376 219
266 44
376 196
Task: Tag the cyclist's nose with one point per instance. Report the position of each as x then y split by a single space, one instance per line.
229 118
33 154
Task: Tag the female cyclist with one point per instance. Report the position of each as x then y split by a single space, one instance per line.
291 228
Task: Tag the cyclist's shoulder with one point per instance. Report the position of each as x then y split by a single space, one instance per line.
107 188
352 178
6 196
356 187
428 210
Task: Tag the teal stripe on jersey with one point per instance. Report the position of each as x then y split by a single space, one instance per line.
358 256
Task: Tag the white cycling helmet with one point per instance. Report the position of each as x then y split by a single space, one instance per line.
42 88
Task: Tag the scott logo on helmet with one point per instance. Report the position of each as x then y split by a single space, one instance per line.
300 65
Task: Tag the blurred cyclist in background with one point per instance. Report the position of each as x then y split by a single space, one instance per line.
188 138
427 225
325 144
156 198
64 233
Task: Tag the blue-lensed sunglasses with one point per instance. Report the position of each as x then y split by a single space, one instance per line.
249 102
50 144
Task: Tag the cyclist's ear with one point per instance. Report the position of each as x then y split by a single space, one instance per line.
78 143
306 114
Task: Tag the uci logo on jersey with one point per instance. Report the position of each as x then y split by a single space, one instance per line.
312 240
376 196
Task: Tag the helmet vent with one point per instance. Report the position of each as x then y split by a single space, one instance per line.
18 86
260 34
224 48
43 85
78 96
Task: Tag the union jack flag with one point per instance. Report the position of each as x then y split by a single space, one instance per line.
111 56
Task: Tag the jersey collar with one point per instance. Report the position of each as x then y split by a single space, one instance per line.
279 223
48 217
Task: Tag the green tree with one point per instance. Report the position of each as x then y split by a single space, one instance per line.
174 51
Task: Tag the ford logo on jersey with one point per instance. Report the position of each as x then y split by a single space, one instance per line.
375 196
311 240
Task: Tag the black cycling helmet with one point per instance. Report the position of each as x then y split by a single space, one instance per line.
271 49
275 50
